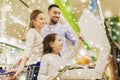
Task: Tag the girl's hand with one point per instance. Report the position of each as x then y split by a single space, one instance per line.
51 78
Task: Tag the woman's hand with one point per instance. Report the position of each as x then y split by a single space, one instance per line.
11 76
17 72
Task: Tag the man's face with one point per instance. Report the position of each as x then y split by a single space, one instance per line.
54 14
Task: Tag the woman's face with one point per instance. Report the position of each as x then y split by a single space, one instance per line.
58 44
39 21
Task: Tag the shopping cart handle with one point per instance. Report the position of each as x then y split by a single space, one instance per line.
10 73
7 73
3 72
38 64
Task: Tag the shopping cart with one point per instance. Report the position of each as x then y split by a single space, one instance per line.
28 73
32 72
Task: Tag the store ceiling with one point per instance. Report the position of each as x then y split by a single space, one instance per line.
17 11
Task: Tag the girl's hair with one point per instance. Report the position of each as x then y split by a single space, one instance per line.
33 16
46 43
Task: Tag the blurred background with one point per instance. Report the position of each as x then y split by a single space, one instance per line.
14 20
15 14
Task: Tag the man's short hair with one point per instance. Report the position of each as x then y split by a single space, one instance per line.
52 5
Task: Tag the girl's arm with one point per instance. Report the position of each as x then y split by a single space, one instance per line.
75 50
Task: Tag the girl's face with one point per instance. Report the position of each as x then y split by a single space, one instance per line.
58 44
39 21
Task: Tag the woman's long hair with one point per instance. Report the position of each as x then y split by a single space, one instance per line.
46 43
33 16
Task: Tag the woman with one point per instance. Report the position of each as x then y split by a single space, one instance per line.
33 51
52 59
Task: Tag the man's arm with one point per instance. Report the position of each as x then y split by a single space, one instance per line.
70 36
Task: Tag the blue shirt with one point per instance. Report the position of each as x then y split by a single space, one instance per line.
63 31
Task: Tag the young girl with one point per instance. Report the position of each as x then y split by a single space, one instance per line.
34 46
52 59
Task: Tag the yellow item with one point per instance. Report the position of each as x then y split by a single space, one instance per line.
82 60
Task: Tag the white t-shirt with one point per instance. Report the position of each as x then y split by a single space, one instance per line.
50 65
34 46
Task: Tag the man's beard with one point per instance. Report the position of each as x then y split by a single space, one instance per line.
53 21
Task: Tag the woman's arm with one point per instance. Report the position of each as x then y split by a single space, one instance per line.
28 51
30 38
18 62
21 67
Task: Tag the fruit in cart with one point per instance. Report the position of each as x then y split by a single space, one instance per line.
82 60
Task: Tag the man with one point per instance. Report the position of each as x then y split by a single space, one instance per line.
55 27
